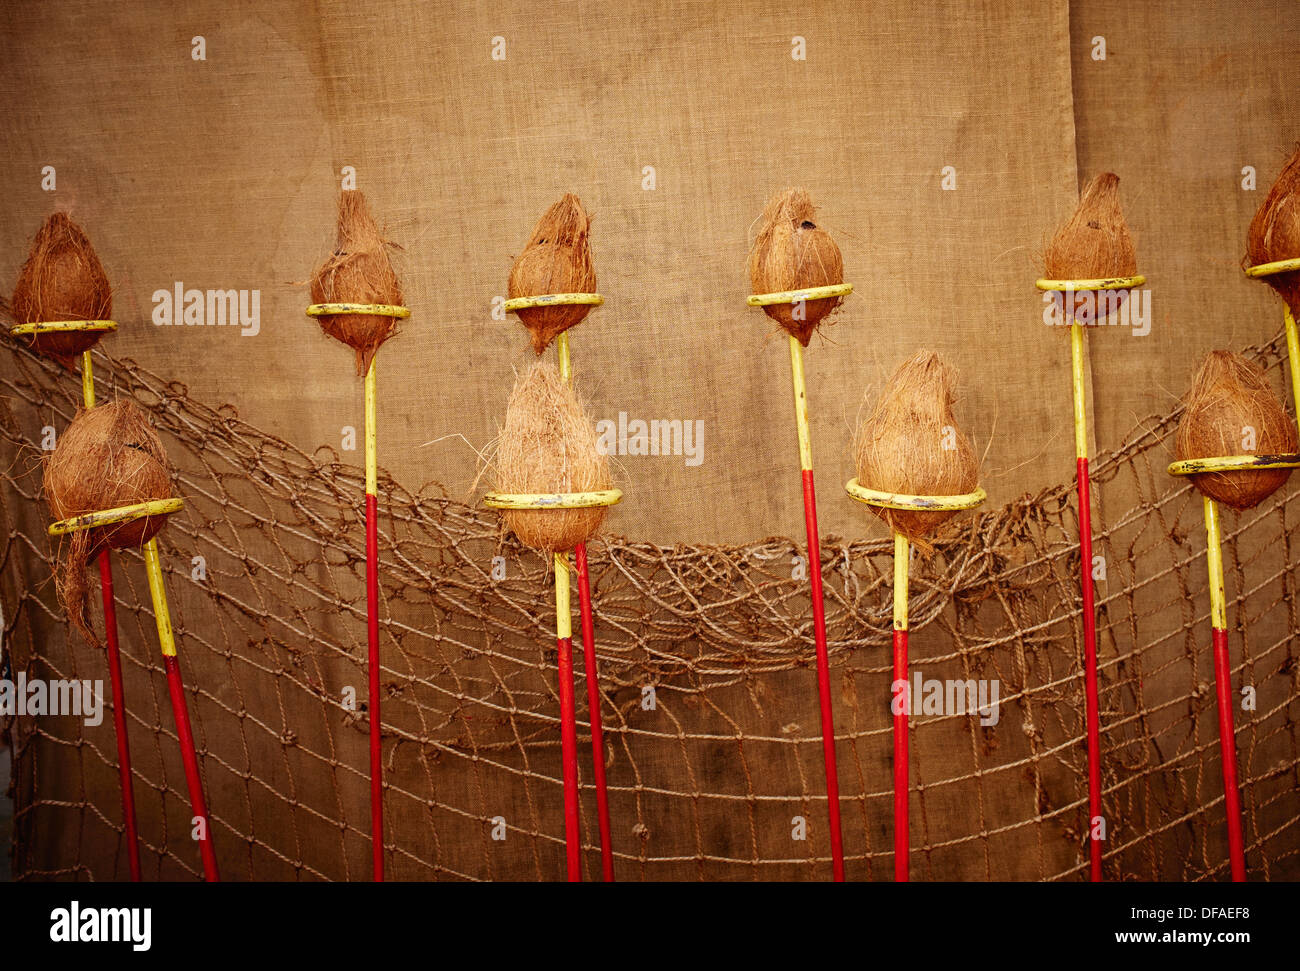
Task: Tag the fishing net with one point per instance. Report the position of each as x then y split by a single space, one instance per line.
706 672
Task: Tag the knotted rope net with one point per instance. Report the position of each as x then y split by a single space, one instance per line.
706 672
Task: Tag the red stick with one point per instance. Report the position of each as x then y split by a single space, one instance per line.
823 676
901 844
119 715
192 780
1228 755
1091 698
569 756
593 706
372 707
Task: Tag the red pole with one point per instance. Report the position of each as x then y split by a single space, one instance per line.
372 637
569 755
1228 755
119 714
593 706
1091 697
901 844
192 780
823 676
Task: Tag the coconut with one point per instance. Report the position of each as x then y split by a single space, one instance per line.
557 259
791 252
548 445
358 271
910 444
62 280
1094 244
1275 230
1230 407
107 457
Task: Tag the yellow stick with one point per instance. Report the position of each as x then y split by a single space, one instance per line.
1214 559
1293 357
162 616
563 618
372 462
1080 406
87 380
800 404
562 352
902 551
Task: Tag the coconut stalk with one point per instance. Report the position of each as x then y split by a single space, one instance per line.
1090 256
916 472
792 253
61 279
108 484
1230 395
357 300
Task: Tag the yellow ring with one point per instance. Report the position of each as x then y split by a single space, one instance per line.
1235 463
515 304
121 514
898 500
552 500
1277 266
1110 283
62 326
794 296
379 309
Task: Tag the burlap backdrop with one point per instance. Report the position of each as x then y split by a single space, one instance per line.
223 174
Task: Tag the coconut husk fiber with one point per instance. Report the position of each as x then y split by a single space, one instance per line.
900 447
791 252
358 271
62 280
557 259
107 457
1094 244
1275 231
548 445
1228 394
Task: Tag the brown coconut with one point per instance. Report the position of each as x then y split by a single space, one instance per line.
1094 244
1275 231
909 443
791 252
557 259
62 280
109 456
548 445
1229 395
358 271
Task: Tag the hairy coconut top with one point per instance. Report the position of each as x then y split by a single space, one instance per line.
909 443
792 252
62 279
1232 410
1275 231
1095 242
557 259
548 445
358 271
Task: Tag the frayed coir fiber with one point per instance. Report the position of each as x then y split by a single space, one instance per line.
557 259
791 252
901 445
1275 231
62 280
548 445
358 271
1094 244
109 456
1230 395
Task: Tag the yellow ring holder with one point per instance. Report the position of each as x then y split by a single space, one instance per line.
552 500
515 304
62 327
378 309
794 296
120 514
899 500
1078 286
1235 463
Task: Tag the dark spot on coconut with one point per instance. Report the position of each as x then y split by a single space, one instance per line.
807 225
1093 224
